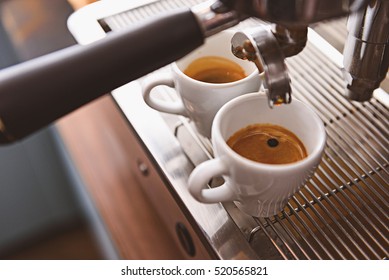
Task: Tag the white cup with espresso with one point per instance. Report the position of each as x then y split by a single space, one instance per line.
204 80
245 132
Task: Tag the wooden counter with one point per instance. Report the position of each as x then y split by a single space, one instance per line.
98 139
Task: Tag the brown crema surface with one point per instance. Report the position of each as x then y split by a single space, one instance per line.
267 143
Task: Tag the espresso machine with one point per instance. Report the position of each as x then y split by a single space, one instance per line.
341 213
35 93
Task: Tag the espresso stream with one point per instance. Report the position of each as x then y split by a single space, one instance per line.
267 143
215 69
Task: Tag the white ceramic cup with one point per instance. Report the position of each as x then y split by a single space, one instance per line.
199 101
258 189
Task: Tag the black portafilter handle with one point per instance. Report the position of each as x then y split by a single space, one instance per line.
35 93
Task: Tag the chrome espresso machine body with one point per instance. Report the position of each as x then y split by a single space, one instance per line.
366 57
341 213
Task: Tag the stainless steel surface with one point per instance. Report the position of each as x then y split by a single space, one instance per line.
295 12
341 213
260 46
292 40
214 17
366 54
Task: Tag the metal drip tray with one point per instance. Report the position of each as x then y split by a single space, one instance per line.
341 213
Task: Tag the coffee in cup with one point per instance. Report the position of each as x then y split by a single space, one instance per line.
215 69
267 143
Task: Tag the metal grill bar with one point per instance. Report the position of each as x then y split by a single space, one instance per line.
280 237
340 156
318 83
314 85
275 243
348 129
323 220
292 236
332 143
361 223
343 218
316 243
380 111
351 179
346 144
341 213
338 142
316 227
353 204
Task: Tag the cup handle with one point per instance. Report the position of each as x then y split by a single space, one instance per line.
172 107
200 177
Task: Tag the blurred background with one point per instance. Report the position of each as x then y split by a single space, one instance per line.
42 213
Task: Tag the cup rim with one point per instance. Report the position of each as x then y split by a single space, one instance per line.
216 134
181 73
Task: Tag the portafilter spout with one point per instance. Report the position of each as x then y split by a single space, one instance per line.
260 46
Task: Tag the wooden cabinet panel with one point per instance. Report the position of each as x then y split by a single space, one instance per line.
97 137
